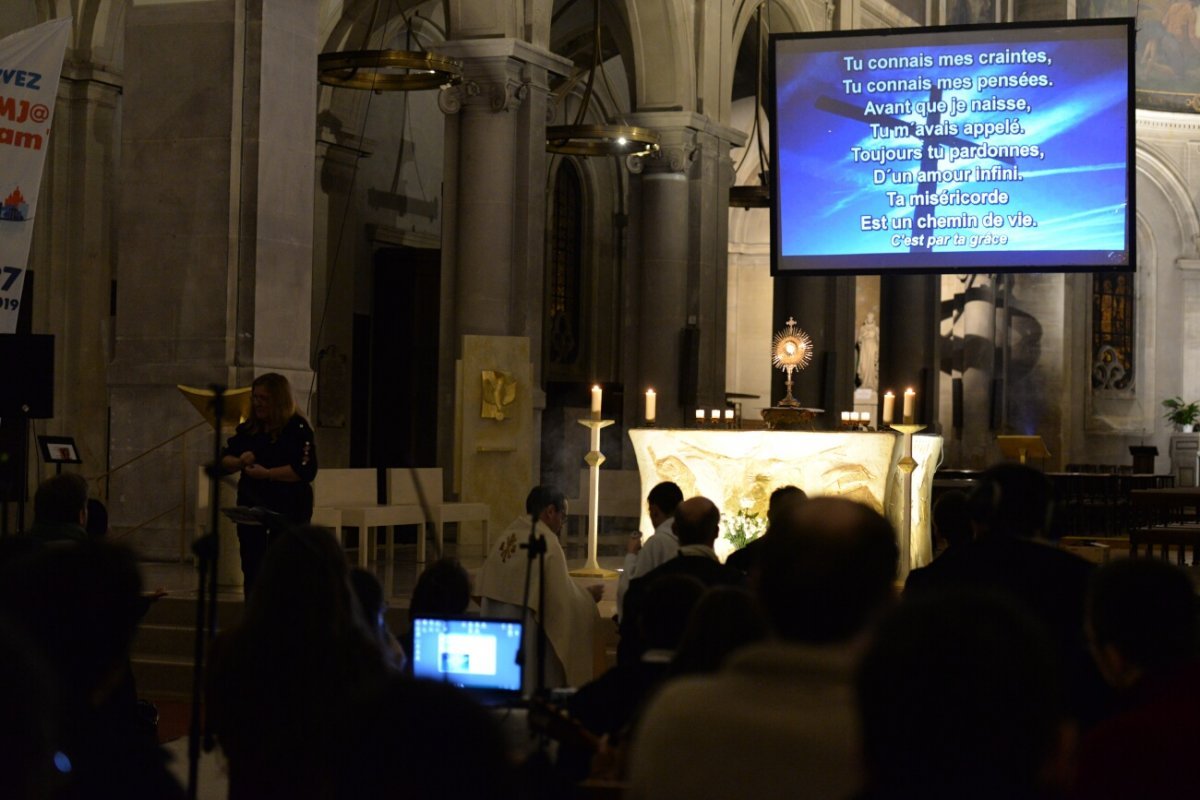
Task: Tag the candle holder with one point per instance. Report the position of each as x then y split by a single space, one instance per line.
594 459
907 465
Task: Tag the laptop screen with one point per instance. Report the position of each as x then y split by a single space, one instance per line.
477 654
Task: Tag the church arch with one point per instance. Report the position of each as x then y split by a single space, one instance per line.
664 69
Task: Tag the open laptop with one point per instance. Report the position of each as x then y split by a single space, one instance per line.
477 654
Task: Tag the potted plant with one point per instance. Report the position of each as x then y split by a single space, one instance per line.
1183 415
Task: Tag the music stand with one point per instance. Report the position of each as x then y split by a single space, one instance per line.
235 404
1022 447
59 450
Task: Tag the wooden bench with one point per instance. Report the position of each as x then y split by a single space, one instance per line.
620 496
423 486
354 495
1166 519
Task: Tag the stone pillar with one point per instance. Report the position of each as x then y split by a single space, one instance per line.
683 262
663 318
215 232
908 352
494 206
74 255
823 307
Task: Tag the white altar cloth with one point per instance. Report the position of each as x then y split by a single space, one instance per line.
738 470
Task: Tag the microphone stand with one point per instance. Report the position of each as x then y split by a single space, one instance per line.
536 548
207 549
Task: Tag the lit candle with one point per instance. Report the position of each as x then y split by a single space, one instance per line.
651 405
889 407
716 414
910 405
699 415
729 415
845 416
597 394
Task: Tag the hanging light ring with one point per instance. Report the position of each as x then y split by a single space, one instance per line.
600 140
365 69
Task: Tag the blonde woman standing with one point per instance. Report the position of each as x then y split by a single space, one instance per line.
277 458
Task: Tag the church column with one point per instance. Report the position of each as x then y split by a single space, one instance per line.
493 249
683 263
908 352
75 254
215 225
495 197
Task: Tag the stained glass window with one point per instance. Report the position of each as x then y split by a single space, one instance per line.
1112 331
564 268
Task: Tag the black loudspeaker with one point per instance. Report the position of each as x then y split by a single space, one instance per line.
27 366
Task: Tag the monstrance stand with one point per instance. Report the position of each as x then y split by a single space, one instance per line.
792 351
594 459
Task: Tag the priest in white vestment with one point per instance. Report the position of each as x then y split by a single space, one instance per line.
570 613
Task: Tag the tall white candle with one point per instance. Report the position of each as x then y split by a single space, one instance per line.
889 407
597 395
651 405
910 406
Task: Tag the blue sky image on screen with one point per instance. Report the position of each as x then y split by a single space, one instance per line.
1071 192
471 653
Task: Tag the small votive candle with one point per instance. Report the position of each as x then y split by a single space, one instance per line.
845 416
700 415
716 414
651 405
729 415
889 407
910 406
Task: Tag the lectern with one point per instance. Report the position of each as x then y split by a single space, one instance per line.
1022 447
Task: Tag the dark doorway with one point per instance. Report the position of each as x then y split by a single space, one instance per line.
404 357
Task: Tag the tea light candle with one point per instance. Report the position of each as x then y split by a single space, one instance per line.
651 405
729 415
699 415
845 416
716 414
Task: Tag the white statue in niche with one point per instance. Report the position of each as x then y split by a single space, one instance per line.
868 353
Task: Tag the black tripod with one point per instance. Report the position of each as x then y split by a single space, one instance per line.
207 550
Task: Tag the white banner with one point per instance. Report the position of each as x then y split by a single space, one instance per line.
30 66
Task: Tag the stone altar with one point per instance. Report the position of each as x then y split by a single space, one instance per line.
738 470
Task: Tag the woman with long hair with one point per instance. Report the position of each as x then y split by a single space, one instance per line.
277 458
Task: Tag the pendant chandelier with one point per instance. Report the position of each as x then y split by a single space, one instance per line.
387 70
756 196
605 139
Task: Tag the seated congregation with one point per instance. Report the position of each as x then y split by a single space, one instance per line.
1008 668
